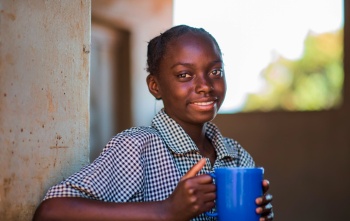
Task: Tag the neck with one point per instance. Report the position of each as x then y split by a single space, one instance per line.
196 132
205 147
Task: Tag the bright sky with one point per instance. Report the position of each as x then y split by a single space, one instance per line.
254 30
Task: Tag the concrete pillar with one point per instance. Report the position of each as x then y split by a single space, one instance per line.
44 99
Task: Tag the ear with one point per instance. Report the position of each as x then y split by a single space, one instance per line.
153 86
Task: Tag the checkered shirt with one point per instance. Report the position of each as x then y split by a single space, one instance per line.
146 163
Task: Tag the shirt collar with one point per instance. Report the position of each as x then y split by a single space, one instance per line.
178 140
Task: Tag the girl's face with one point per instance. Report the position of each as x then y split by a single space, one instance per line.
191 79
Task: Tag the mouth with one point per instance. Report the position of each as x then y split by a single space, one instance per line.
204 103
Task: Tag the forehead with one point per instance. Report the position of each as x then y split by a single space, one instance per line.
192 44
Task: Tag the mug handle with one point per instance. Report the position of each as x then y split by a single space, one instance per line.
209 213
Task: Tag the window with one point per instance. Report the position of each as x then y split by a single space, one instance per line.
278 54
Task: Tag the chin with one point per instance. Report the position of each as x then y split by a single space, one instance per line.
205 117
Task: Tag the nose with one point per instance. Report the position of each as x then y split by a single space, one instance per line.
203 84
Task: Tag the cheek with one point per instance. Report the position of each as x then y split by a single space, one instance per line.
179 93
220 87
174 92
221 91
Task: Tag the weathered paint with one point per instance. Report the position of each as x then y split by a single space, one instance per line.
44 99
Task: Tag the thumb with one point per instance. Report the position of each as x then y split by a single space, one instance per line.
195 169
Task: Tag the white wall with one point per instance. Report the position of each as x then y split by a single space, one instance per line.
44 99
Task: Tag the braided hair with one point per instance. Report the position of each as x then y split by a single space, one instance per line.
157 46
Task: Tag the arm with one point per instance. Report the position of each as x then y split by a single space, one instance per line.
192 196
76 208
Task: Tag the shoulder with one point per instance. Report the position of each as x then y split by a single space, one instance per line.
135 136
140 133
243 158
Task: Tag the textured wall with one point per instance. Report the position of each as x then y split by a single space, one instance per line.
44 98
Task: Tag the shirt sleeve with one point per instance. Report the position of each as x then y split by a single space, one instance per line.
115 176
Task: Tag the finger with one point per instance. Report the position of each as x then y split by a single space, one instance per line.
267 218
195 169
209 197
264 199
208 206
266 185
270 216
265 211
205 184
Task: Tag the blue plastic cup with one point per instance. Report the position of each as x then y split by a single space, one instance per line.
236 191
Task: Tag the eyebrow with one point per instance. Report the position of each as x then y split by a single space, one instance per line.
182 64
190 64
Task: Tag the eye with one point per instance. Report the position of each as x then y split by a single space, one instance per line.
217 72
184 75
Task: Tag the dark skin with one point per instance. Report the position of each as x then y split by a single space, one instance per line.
191 100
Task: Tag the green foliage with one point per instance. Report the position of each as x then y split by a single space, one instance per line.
314 82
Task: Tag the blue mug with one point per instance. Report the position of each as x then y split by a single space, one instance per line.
236 191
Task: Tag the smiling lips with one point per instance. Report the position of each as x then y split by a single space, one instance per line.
204 105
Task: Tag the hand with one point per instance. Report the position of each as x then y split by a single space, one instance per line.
264 203
193 194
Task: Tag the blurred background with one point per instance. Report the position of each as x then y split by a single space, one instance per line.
73 75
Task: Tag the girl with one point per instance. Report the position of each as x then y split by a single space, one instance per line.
160 172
